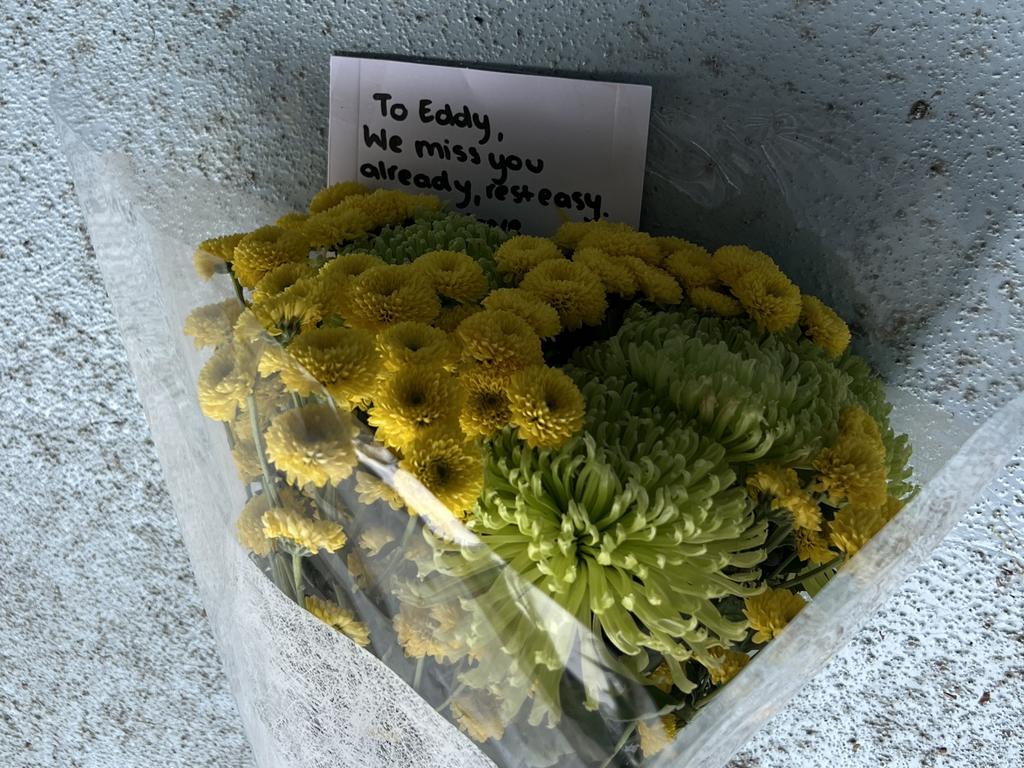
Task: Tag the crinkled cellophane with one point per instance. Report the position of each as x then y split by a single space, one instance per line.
309 695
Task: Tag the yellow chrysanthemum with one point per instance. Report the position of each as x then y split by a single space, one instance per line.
670 245
453 275
328 197
249 526
661 678
478 715
385 207
373 540
334 226
656 734
783 485
346 266
518 255
854 525
357 570
770 611
731 262
448 466
269 396
812 547
616 277
412 343
413 400
343 360
280 278
656 285
382 296
207 265
569 234
715 302
292 220
486 407
224 382
287 315
335 278
447 616
542 317
421 634
212 324
726 665
621 241
294 377
691 266
299 529
499 340
823 326
450 318
575 292
769 297
221 248
546 405
853 468
372 489
263 249
341 619
312 445
249 331
247 461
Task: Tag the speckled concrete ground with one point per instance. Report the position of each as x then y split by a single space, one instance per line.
105 659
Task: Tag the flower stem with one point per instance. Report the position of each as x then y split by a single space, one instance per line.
399 553
269 486
238 289
417 677
619 745
300 592
781 532
830 565
279 572
451 697
783 566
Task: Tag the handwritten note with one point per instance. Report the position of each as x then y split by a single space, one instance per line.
521 151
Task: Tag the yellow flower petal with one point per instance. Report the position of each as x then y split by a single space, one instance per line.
769 297
575 292
542 317
341 619
328 197
731 262
770 611
312 444
453 275
499 340
448 466
518 255
389 294
824 327
546 405
656 734
412 400
715 302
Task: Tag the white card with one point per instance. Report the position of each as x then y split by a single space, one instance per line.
522 151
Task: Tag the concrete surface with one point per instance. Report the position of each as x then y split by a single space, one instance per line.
105 659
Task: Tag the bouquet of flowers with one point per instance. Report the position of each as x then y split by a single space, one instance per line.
565 487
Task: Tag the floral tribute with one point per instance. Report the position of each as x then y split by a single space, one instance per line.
566 486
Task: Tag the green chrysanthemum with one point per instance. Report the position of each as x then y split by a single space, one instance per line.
436 232
763 397
634 529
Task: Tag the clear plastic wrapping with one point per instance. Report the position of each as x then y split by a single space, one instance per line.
403 601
